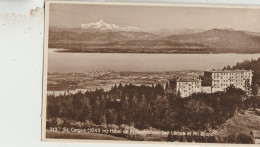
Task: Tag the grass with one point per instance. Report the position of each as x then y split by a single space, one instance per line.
240 123
90 136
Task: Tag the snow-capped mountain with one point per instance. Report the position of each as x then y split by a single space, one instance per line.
103 26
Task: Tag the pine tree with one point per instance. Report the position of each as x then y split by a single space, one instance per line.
125 116
97 112
87 110
104 120
228 67
142 113
132 110
162 113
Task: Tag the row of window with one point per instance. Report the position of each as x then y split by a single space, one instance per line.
190 91
237 73
217 81
236 84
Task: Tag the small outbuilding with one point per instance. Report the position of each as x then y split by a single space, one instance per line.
256 136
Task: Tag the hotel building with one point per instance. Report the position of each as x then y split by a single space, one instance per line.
215 80
185 86
219 80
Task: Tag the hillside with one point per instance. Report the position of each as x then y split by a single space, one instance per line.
234 41
240 123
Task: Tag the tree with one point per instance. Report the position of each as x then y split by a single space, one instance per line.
132 109
231 139
199 114
104 120
162 113
239 138
254 86
77 105
52 107
125 116
110 116
120 86
65 107
143 114
86 113
245 139
228 67
96 115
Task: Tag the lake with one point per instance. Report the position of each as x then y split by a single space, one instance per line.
87 62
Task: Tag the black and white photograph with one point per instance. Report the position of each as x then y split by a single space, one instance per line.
151 72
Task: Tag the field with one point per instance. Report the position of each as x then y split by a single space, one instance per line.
241 123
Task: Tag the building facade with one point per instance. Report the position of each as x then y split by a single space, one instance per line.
219 80
185 86
256 136
215 80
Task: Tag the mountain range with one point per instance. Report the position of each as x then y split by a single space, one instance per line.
103 37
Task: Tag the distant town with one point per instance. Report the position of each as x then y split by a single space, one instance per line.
105 80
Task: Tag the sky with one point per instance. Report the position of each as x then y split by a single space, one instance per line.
152 18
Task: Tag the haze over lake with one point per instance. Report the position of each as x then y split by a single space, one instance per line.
87 62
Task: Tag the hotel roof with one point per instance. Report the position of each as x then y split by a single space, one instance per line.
227 71
186 79
255 133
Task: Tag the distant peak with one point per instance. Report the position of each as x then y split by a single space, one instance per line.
222 30
219 31
230 29
101 25
216 29
100 21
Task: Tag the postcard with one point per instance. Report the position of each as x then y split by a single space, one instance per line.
151 72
